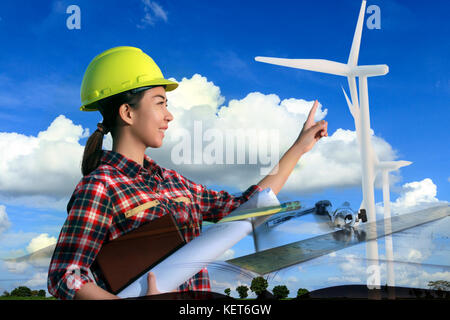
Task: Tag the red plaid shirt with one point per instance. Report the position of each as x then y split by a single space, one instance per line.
101 209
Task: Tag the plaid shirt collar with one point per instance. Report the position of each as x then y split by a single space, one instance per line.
130 167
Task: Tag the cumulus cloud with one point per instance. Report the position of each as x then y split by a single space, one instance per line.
44 165
266 126
48 165
40 242
417 194
413 196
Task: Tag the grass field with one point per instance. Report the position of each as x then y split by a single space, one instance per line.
27 298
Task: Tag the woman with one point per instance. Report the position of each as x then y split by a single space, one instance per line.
129 90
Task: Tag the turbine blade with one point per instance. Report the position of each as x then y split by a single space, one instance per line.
353 92
369 71
350 105
354 51
318 65
36 256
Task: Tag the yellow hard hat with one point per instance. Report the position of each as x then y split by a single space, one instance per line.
117 70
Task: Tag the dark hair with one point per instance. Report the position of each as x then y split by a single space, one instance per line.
109 108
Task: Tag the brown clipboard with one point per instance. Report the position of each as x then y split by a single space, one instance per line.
124 259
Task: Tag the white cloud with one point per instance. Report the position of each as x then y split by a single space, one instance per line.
4 220
229 254
40 242
194 92
153 12
333 162
44 165
417 193
410 276
16 267
38 279
413 196
43 170
414 255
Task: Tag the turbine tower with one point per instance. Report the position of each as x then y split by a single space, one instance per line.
359 108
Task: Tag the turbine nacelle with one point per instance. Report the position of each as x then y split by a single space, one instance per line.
392 165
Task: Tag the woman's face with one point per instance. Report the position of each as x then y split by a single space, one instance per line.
151 119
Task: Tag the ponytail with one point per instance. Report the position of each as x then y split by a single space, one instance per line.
109 108
93 150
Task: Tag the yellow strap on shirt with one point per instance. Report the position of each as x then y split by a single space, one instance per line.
151 204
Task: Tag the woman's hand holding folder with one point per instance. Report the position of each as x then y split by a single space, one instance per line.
90 291
152 288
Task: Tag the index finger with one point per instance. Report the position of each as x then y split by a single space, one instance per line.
312 113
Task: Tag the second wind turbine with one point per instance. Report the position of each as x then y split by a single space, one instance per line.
359 108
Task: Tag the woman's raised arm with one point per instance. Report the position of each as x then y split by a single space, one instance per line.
310 134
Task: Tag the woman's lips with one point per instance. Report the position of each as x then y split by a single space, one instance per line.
162 130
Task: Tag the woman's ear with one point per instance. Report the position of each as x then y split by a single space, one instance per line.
126 113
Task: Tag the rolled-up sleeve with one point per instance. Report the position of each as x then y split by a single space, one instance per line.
82 235
214 205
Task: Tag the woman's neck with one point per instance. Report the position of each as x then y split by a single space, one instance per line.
130 150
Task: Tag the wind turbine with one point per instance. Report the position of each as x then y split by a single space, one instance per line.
359 108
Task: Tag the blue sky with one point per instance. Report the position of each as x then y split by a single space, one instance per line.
42 64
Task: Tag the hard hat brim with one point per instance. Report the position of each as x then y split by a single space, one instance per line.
168 85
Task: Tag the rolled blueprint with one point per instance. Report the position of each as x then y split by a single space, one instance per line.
198 253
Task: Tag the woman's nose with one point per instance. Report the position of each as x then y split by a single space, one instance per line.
169 116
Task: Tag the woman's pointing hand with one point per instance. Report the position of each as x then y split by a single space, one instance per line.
311 131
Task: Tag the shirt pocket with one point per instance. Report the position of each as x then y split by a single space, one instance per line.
138 215
186 215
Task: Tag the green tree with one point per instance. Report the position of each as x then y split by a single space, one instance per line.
21 291
41 293
5 294
242 290
259 285
440 285
227 291
280 292
302 292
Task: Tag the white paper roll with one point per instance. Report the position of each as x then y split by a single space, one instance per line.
196 254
